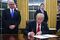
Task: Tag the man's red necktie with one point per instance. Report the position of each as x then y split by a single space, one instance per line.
38 29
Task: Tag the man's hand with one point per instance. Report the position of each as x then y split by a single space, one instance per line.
12 26
39 33
31 35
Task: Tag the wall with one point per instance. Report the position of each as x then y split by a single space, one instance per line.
23 8
51 8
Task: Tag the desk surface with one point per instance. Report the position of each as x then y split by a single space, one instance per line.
19 37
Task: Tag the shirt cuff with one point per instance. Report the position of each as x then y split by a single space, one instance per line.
29 33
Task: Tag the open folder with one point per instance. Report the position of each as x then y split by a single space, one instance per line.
44 36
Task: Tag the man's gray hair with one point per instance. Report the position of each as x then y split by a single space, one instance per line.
10 2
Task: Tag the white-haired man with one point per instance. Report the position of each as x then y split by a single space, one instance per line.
36 27
11 19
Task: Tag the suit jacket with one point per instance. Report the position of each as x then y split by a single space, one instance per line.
45 14
7 20
58 22
32 27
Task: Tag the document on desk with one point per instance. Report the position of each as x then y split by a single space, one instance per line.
44 36
40 36
50 35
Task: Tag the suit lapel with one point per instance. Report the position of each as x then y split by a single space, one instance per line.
13 14
42 27
8 12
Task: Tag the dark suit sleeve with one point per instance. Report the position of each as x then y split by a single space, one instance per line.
46 17
35 14
18 20
46 29
28 28
4 22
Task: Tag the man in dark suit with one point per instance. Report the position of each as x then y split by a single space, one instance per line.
41 10
10 19
37 27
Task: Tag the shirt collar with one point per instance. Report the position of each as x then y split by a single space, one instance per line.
11 10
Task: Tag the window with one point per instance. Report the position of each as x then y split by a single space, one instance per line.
3 5
33 6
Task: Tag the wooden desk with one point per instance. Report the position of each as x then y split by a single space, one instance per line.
20 37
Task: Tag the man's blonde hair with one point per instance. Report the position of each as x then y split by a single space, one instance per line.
40 14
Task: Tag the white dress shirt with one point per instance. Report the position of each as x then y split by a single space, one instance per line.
11 10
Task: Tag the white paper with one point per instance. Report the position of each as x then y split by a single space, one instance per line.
45 36
40 36
49 35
